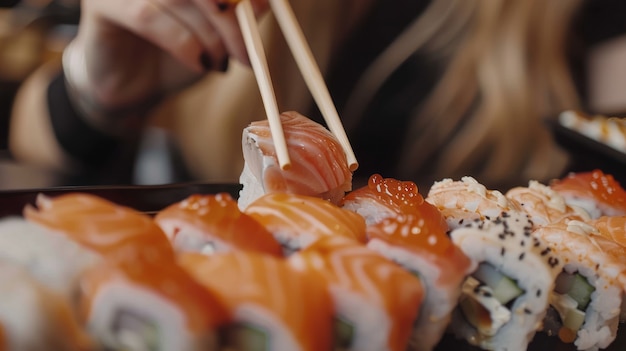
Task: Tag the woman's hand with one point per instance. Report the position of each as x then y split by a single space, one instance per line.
128 51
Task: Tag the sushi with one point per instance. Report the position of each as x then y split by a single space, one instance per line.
503 301
376 301
34 318
596 192
461 201
134 301
99 225
319 166
544 205
274 306
297 221
589 288
418 243
214 223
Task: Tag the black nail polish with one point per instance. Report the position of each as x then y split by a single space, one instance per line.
224 65
222 6
206 61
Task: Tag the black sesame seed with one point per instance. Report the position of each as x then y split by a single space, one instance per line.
502 252
522 243
527 311
538 292
521 256
546 251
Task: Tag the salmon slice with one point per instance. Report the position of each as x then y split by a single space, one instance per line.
214 223
544 205
296 221
98 224
281 308
598 193
376 301
136 301
318 163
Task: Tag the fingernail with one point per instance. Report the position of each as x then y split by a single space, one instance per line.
223 6
224 65
206 61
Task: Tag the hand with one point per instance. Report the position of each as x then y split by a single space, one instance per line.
128 51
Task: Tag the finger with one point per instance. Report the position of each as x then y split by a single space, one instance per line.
148 20
187 13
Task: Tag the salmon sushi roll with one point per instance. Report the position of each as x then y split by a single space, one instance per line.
274 306
587 297
376 301
461 201
319 166
598 193
34 318
545 205
214 223
419 244
99 225
504 301
134 301
297 221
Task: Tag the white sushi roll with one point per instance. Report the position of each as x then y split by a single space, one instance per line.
505 299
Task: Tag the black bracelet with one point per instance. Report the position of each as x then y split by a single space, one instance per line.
76 136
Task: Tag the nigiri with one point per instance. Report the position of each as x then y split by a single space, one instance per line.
544 205
274 306
297 221
98 224
418 242
134 301
598 193
214 223
461 201
376 301
318 163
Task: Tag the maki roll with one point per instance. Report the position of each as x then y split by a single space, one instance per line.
274 306
376 302
418 243
319 166
504 301
589 289
133 301
297 221
214 223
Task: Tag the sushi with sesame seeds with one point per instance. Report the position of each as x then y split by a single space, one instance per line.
504 300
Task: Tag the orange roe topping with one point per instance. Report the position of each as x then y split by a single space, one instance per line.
393 192
602 186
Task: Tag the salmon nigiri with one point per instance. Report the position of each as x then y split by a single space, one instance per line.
98 224
598 193
419 243
134 301
274 306
214 223
376 301
318 163
296 221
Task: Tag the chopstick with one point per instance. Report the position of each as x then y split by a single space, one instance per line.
312 75
254 45
307 66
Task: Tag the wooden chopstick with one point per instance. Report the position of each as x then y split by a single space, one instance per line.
311 74
254 45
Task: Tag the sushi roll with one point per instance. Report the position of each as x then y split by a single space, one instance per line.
319 166
598 193
504 301
376 301
461 201
45 255
214 223
99 225
274 306
589 289
297 221
34 318
545 205
387 197
418 243
133 301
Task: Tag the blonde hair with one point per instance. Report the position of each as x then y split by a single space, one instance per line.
505 72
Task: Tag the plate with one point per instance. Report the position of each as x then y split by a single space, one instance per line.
150 199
